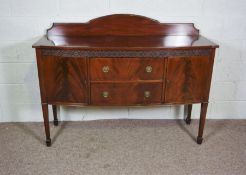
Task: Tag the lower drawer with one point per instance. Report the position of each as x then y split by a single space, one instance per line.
125 93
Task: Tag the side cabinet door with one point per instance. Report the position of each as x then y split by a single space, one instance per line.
188 79
64 79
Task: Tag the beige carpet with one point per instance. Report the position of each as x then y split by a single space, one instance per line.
131 147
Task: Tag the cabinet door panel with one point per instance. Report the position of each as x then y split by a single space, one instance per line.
64 79
188 79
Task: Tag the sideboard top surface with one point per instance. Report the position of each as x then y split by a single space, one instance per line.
123 31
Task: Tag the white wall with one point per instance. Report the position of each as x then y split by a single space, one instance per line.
22 22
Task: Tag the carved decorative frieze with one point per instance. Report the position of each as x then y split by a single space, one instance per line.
121 54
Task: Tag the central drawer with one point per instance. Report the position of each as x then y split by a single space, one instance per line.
117 69
126 93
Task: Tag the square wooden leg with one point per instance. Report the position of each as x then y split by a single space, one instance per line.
203 113
188 118
46 123
54 108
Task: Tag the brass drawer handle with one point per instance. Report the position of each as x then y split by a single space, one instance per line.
147 94
105 69
105 94
148 69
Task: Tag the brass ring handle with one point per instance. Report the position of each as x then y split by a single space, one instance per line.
105 69
105 94
147 94
148 69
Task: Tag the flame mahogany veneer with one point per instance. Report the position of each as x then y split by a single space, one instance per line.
124 60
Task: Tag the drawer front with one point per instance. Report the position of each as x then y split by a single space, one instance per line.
125 93
116 69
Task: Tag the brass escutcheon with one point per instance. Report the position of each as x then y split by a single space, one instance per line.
105 69
105 94
148 69
147 94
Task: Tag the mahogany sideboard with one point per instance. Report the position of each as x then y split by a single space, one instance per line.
124 60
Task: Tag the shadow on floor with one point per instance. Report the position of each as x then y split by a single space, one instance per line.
40 136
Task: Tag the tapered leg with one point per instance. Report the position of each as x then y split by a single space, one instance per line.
188 118
46 123
54 108
204 107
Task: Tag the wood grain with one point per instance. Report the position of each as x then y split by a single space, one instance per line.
125 94
122 25
64 79
186 79
124 60
126 69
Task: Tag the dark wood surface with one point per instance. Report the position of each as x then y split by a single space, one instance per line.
123 32
54 109
122 25
126 94
126 69
64 79
124 60
189 110
125 42
186 79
